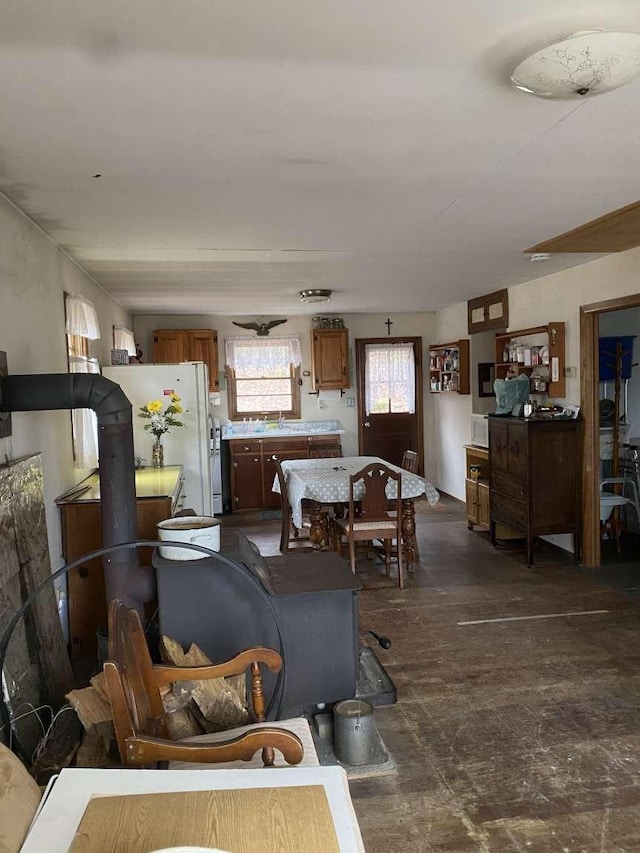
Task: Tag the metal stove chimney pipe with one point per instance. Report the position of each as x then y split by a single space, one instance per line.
124 578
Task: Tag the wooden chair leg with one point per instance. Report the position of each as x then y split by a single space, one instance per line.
352 553
387 555
400 555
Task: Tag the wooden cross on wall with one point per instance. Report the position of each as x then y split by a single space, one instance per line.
388 323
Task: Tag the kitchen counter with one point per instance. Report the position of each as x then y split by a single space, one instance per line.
150 483
282 433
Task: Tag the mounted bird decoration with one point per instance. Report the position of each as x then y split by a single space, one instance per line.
262 329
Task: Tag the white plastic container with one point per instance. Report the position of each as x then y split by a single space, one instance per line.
203 530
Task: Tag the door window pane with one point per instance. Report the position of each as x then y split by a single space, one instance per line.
390 378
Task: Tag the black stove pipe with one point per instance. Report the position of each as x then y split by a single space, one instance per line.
124 578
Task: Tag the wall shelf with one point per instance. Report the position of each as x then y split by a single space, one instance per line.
449 368
540 351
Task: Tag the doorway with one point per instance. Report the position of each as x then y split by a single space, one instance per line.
598 320
390 402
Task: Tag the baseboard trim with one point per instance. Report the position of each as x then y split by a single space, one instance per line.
452 497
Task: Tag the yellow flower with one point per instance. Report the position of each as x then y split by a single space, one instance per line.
155 407
175 398
177 407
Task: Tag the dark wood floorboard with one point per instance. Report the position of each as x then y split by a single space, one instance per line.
508 736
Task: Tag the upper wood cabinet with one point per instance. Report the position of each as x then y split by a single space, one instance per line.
171 346
330 358
488 312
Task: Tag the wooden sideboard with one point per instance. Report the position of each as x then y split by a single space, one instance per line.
535 477
158 496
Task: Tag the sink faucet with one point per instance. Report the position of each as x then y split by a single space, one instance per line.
280 421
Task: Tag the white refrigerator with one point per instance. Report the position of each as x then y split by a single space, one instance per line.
191 445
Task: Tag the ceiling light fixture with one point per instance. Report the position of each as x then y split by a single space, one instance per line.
539 256
587 63
315 295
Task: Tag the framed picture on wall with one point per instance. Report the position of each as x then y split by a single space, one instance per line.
486 375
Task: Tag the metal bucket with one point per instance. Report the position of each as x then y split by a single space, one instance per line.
354 732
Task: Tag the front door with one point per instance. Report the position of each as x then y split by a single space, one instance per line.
390 398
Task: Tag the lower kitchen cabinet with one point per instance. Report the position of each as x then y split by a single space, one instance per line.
477 491
158 493
253 465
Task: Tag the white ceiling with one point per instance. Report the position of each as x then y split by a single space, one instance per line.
251 149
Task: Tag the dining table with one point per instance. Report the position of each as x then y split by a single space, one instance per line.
324 482
150 809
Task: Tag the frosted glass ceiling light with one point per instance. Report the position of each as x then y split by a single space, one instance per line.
315 295
587 63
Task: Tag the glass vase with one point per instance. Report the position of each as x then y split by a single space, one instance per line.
158 454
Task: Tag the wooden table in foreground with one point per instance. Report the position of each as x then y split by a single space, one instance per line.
64 808
326 481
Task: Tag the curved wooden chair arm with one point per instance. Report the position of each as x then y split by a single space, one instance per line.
236 666
147 750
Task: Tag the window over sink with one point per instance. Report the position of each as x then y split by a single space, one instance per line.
263 376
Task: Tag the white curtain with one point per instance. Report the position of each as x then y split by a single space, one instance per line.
84 421
82 318
262 357
390 378
123 339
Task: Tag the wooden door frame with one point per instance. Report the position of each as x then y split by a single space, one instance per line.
360 344
589 404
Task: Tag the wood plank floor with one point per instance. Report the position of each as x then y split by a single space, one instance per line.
519 735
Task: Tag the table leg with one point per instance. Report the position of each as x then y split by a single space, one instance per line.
409 531
317 529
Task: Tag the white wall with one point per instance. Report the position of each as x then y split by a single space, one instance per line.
359 325
34 273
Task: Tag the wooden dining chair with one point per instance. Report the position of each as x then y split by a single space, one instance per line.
410 461
134 683
289 533
375 520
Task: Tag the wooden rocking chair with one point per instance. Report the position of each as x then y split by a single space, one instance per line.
134 683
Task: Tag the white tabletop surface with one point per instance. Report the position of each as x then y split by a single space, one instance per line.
54 828
327 481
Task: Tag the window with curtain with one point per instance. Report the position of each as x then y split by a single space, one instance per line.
263 376
123 339
82 327
390 378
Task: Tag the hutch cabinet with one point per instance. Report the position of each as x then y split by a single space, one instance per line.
535 478
539 352
449 368
330 359
171 346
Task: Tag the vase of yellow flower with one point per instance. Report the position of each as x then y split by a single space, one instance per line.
160 422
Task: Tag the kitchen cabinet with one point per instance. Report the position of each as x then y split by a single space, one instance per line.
253 465
477 492
477 489
171 346
488 312
330 359
538 351
158 496
534 477
449 368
